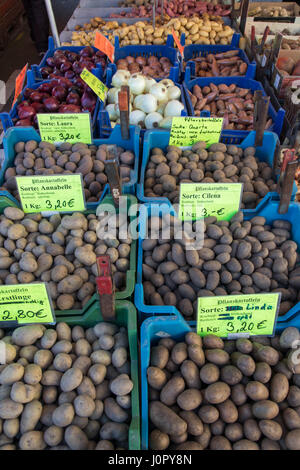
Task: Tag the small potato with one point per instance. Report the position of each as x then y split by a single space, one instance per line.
71 379
31 416
53 436
165 419
158 440
217 392
32 440
63 415
32 374
84 406
75 438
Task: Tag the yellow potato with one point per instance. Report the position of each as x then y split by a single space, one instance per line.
194 29
203 33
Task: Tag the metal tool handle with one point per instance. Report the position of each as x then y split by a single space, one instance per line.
52 22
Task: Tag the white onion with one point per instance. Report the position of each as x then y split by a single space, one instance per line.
137 102
148 103
120 78
166 122
167 82
136 117
149 82
174 93
112 95
160 92
173 108
153 120
113 115
137 84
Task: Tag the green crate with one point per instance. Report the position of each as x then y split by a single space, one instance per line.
130 275
125 316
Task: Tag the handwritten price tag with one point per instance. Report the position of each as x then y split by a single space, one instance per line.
240 315
26 303
60 193
20 83
198 200
73 128
186 131
177 42
94 83
104 45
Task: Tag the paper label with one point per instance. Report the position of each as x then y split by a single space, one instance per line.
263 61
104 45
177 42
254 314
276 81
20 83
186 131
198 200
60 193
73 128
94 83
26 303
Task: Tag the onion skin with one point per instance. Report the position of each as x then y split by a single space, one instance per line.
23 123
51 104
26 112
69 108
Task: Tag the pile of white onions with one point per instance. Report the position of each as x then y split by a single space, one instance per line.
152 104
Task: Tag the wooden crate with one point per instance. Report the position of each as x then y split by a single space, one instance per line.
279 81
292 8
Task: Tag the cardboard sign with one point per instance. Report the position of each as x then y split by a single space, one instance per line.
198 200
60 193
26 303
73 128
104 45
20 83
177 42
94 83
238 315
186 131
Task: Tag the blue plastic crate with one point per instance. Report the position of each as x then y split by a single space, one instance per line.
36 69
267 208
104 124
7 119
160 139
151 50
16 134
277 116
152 330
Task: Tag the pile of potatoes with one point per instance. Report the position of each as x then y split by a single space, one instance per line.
44 158
65 388
198 30
234 104
220 163
237 257
61 251
206 393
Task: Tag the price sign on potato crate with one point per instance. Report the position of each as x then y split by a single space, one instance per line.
104 45
177 42
59 193
198 200
94 83
20 83
187 131
26 303
69 127
238 315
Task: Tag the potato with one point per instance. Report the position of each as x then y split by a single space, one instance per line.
75 438
156 378
84 406
63 415
27 335
32 440
158 440
53 436
171 390
10 409
71 379
228 411
257 391
265 409
165 419
30 416
270 429
121 385
11 374
189 399
190 373
217 392
292 440
209 373
279 388
32 374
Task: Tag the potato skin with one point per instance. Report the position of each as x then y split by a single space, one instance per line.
279 388
217 393
165 419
